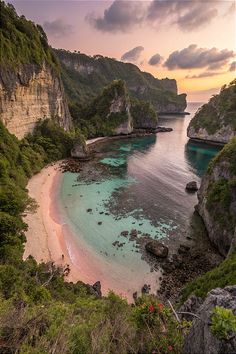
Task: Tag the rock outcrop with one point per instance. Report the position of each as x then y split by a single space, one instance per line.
144 115
201 339
217 199
216 120
88 75
157 249
29 94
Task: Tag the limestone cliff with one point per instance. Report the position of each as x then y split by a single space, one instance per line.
217 199
144 115
30 85
216 120
88 75
30 94
109 113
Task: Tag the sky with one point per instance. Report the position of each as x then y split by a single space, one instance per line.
192 41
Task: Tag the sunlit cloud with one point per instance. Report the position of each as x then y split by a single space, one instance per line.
195 57
132 55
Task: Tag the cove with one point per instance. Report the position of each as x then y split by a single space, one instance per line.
131 184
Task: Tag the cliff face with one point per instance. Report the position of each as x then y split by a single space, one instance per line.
216 120
88 75
144 115
120 104
217 199
30 94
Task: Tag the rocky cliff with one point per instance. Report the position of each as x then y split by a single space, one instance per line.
217 199
109 113
29 94
85 76
144 115
201 338
30 85
216 120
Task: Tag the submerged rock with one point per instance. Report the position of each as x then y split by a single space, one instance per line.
157 248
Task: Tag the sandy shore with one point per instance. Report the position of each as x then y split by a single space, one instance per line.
49 238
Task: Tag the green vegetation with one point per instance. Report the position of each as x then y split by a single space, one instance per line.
22 42
144 114
223 322
219 277
219 112
98 118
221 191
96 72
39 311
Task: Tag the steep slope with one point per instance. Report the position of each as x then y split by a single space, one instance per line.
108 113
216 120
217 199
30 83
85 76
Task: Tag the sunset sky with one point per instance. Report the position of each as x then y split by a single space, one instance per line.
191 41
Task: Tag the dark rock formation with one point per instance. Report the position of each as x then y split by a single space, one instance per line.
192 186
200 339
157 249
97 288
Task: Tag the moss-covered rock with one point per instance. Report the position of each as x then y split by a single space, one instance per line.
216 120
144 115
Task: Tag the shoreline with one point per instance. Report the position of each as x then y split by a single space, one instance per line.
50 238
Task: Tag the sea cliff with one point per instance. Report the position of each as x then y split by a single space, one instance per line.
29 94
217 199
215 121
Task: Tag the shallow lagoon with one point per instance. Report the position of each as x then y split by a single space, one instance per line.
134 184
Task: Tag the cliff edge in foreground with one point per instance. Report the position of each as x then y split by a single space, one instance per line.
215 121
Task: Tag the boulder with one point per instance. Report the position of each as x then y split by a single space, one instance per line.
200 339
97 288
192 186
157 249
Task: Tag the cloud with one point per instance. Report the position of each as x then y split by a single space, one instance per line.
155 59
231 9
123 15
57 28
232 66
204 74
132 55
120 16
194 57
187 15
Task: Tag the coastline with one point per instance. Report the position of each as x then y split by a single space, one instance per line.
49 236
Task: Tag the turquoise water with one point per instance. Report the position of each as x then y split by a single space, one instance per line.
134 184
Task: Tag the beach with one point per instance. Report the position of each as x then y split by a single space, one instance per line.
52 238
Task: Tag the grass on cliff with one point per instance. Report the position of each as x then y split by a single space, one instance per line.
219 277
220 192
220 111
96 118
21 41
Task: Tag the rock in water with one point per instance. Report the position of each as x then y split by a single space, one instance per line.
192 186
200 339
157 248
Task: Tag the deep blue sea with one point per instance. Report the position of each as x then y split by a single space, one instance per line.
133 184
